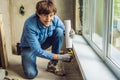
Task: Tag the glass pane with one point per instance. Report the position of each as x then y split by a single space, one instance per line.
114 47
97 33
86 28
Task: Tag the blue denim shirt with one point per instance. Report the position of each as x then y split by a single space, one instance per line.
35 33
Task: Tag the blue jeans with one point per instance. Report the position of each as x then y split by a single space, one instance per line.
29 57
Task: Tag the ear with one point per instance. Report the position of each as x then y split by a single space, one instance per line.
38 14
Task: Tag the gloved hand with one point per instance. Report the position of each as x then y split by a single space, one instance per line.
65 57
72 33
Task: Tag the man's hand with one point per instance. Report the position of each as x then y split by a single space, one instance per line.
65 57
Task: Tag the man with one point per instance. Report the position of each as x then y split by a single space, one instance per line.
42 30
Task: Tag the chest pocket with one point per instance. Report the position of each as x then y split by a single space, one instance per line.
42 35
39 36
50 33
51 30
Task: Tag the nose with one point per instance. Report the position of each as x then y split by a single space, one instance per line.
48 18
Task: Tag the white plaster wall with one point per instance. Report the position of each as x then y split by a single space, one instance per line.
65 10
4 10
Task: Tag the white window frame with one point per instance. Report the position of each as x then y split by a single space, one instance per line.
106 37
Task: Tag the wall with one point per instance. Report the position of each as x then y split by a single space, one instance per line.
4 10
65 10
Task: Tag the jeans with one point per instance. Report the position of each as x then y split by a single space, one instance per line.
29 56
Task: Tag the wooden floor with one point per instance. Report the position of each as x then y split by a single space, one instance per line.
15 70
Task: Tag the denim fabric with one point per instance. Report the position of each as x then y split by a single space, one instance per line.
36 38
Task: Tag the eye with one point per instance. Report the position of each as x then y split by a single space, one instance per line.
51 15
45 15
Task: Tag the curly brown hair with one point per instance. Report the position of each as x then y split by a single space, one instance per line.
45 7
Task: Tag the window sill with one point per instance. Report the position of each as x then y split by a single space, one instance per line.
91 66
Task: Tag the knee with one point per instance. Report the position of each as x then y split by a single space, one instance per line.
31 74
59 32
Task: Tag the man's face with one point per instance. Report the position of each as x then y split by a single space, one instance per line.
46 19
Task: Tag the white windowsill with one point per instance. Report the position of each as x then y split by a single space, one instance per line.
91 66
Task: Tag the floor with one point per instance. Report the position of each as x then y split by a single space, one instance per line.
15 70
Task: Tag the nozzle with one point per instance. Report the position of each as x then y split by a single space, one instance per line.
69 51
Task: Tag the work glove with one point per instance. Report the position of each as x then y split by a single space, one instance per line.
65 57
72 33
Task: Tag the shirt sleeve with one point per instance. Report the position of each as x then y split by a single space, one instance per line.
33 42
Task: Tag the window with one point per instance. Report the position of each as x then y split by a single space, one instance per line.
114 43
101 29
97 29
86 17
